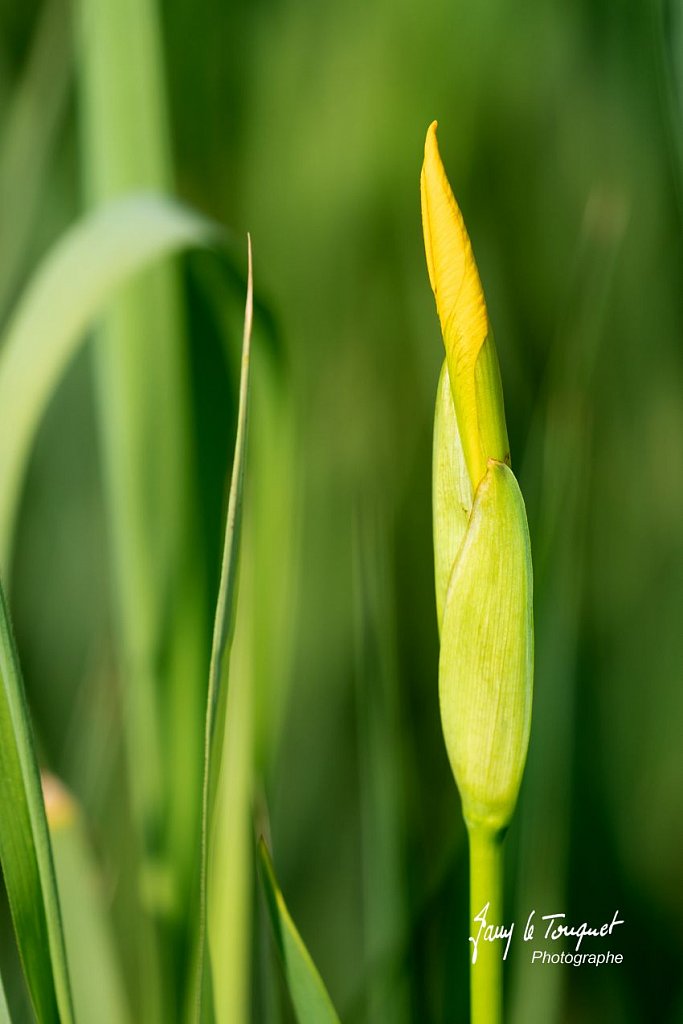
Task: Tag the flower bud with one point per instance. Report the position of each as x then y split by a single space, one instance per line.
481 541
486 661
470 351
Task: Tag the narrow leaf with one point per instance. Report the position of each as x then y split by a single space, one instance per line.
25 851
70 288
144 411
260 657
310 998
222 637
29 130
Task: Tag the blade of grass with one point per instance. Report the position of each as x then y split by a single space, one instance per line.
309 996
229 890
69 290
258 683
97 984
274 482
259 678
71 286
220 651
29 130
261 651
25 851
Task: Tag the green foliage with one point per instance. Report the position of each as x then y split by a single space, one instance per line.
67 292
25 852
215 818
561 129
309 996
110 246
143 407
27 142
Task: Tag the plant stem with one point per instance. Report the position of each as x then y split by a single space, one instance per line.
486 887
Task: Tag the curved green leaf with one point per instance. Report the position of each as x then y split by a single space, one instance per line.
310 998
70 288
25 851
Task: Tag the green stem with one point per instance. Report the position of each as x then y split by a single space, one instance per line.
486 887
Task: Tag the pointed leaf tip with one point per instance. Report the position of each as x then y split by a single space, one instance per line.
310 998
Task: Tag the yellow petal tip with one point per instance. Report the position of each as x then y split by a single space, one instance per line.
452 270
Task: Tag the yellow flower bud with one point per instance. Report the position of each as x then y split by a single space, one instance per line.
470 351
481 540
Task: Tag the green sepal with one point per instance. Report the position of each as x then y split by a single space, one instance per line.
478 402
488 390
451 490
486 664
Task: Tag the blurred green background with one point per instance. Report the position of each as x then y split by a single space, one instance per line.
561 128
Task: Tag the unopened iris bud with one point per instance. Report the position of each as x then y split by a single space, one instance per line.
470 350
481 540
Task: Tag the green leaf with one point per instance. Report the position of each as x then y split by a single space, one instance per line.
261 653
144 410
70 288
486 663
229 879
224 621
310 998
25 851
274 476
27 140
